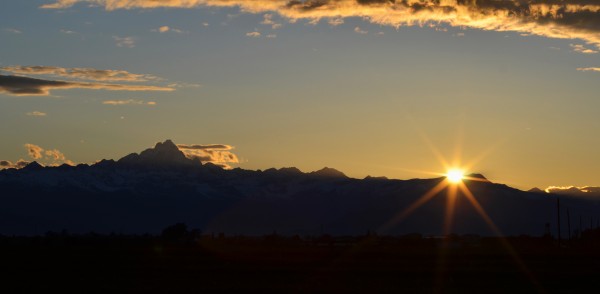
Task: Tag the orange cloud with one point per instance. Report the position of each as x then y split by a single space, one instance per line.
574 19
34 151
218 154
80 73
128 102
24 86
594 69
36 113
53 156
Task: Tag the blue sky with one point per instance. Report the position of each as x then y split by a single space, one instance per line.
349 86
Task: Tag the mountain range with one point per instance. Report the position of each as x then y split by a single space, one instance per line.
143 193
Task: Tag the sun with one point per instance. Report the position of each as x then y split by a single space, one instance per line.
455 176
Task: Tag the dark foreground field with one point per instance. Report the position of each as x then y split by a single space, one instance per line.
273 264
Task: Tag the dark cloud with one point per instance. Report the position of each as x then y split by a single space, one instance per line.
209 146
80 73
24 86
19 164
574 19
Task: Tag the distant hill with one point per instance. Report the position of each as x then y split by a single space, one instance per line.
144 192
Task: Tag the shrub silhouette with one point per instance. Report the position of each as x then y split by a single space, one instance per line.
176 232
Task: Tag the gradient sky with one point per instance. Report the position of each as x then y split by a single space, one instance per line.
369 87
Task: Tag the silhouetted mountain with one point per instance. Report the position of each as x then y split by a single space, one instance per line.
164 154
536 190
160 186
477 177
327 172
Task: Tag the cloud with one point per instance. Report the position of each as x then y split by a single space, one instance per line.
67 32
574 19
36 113
127 42
51 156
183 85
218 154
360 31
105 75
55 154
165 29
582 49
24 86
12 31
271 36
335 21
128 102
594 69
268 20
253 34
19 164
587 191
204 147
34 151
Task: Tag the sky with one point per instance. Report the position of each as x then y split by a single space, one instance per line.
370 87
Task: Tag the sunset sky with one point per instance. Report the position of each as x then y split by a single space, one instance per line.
369 87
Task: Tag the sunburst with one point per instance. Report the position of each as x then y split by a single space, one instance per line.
455 184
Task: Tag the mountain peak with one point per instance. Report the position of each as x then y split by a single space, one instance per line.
477 177
536 190
329 173
166 146
34 165
163 154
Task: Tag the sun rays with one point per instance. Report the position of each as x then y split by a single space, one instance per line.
455 182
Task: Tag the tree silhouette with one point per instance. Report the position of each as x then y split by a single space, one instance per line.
176 232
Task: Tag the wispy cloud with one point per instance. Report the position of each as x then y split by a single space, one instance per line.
218 154
68 32
12 31
183 85
166 29
127 42
268 20
358 30
582 49
335 21
129 102
594 69
25 86
36 113
574 19
254 34
106 75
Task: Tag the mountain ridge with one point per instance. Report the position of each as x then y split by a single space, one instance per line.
146 191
